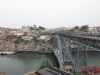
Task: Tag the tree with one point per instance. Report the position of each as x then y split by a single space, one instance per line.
84 28
44 64
40 27
18 40
76 27
10 37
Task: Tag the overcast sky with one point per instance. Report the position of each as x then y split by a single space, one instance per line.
49 13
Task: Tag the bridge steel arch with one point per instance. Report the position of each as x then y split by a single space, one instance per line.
62 53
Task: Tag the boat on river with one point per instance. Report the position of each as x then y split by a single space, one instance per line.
7 52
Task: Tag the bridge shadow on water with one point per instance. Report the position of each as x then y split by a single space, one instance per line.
56 62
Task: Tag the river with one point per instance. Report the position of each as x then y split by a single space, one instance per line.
23 63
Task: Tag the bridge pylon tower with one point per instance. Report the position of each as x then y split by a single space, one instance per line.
80 58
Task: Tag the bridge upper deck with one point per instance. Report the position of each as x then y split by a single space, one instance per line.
85 40
94 37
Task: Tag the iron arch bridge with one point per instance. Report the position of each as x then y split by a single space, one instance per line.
62 50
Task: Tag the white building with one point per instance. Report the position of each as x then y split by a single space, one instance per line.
44 37
25 28
27 37
18 33
93 31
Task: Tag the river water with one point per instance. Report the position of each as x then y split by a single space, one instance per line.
23 63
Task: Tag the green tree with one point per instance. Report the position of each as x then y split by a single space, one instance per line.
10 37
40 27
84 28
18 41
44 64
76 27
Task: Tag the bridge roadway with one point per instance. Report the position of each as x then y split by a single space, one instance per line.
97 37
85 40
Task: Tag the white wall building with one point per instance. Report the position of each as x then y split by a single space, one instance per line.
93 31
18 33
25 28
44 37
27 37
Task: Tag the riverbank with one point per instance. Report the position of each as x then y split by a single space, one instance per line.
42 52
24 51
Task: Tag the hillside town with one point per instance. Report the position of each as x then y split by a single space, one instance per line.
30 38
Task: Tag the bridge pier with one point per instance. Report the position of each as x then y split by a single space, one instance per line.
68 67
